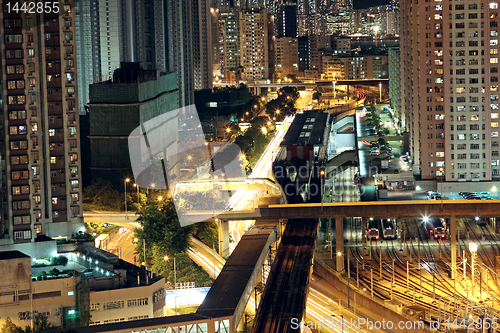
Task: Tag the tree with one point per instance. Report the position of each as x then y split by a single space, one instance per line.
207 233
316 95
161 227
10 327
101 195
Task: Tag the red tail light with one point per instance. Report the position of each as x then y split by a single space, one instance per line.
435 236
376 238
442 236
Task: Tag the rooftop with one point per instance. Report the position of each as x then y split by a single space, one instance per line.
5 255
227 290
307 129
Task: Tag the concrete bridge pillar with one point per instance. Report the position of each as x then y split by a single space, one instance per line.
453 238
339 243
223 238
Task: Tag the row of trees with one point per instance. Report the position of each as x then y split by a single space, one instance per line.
41 324
376 120
262 128
166 239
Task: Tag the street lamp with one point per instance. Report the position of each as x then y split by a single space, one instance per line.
376 29
334 92
137 186
473 250
380 92
442 176
143 248
147 189
175 272
322 174
125 183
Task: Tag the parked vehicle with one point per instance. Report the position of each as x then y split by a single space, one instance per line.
373 232
388 229
435 197
435 228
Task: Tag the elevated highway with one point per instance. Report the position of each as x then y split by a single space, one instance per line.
233 184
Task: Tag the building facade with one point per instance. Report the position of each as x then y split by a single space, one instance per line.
118 107
287 57
449 88
41 176
254 46
394 87
354 67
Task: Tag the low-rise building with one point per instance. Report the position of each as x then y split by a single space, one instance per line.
306 136
354 67
94 287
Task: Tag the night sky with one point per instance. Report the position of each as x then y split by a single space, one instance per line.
368 3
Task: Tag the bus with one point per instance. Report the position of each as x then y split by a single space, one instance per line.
388 229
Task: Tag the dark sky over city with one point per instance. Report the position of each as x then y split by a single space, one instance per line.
368 3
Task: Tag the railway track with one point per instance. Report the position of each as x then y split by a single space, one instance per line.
286 289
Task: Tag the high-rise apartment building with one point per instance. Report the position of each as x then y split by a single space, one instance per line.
287 56
254 44
97 34
449 88
179 31
287 20
141 29
202 44
41 185
227 42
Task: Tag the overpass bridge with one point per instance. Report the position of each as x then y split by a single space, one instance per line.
233 184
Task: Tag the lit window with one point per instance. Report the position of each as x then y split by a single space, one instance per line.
52 160
493 60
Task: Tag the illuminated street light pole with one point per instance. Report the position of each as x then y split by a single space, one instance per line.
442 176
175 271
125 183
147 189
137 186
143 248
380 92
334 92
473 250
322 174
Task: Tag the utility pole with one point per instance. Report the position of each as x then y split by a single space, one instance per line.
213 244
407 276
409 251
392 282
357 274
433 286
371 280
380 262
419 253
348 279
